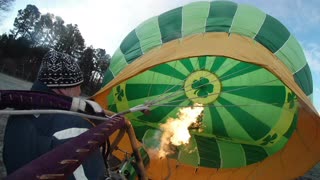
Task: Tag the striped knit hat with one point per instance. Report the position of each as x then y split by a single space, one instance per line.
59 70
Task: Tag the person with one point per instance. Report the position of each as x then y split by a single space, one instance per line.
29 136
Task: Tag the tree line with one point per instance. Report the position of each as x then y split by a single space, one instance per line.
33 34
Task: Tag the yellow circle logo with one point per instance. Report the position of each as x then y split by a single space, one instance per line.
202 87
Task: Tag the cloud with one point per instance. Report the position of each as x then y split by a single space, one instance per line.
309 11
104 24
316 100
312 53
297 15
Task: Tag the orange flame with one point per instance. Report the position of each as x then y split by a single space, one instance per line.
175 130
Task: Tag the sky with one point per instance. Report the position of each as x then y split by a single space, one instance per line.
105 23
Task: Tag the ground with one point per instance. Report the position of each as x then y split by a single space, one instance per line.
11 83
8 82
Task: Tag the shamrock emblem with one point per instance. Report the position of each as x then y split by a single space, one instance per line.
269 139
202 87
291 98
119 93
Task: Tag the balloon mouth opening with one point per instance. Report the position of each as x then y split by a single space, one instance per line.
202 87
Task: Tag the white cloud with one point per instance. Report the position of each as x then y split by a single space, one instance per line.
316 99
309 10
296 15
104 24
312 52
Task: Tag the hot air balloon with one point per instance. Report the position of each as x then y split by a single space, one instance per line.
247 71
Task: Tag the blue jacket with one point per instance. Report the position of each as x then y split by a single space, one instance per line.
29 136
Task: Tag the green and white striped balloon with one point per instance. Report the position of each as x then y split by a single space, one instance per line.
249 113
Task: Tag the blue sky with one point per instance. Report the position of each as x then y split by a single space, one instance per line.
104 23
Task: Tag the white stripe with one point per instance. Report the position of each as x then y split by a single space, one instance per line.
75 104
69 133
79 173
63 85
82 105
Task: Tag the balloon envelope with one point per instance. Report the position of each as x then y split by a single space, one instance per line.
242 65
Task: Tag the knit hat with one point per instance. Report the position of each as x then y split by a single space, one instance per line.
59 70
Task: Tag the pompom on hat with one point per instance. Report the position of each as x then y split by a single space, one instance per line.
59 70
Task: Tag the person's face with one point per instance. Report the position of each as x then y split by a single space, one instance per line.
75 91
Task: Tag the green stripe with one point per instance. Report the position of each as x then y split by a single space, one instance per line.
151 139
257 78
232 155
304 79
247 21
292 127
168 70
187 64
217 63
111 106
160 112
274 95
149 34
208 151
118 62
220 17
188 154
249 123
218 127
254 154
137 91
195 63
130 47
261 111
270 150
311 97
178 66
232 126
202 62
140 129
207 122
291 54
150 77
229 64
238 70
170 24
194 18
272 34
209 62
135 102
108 76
